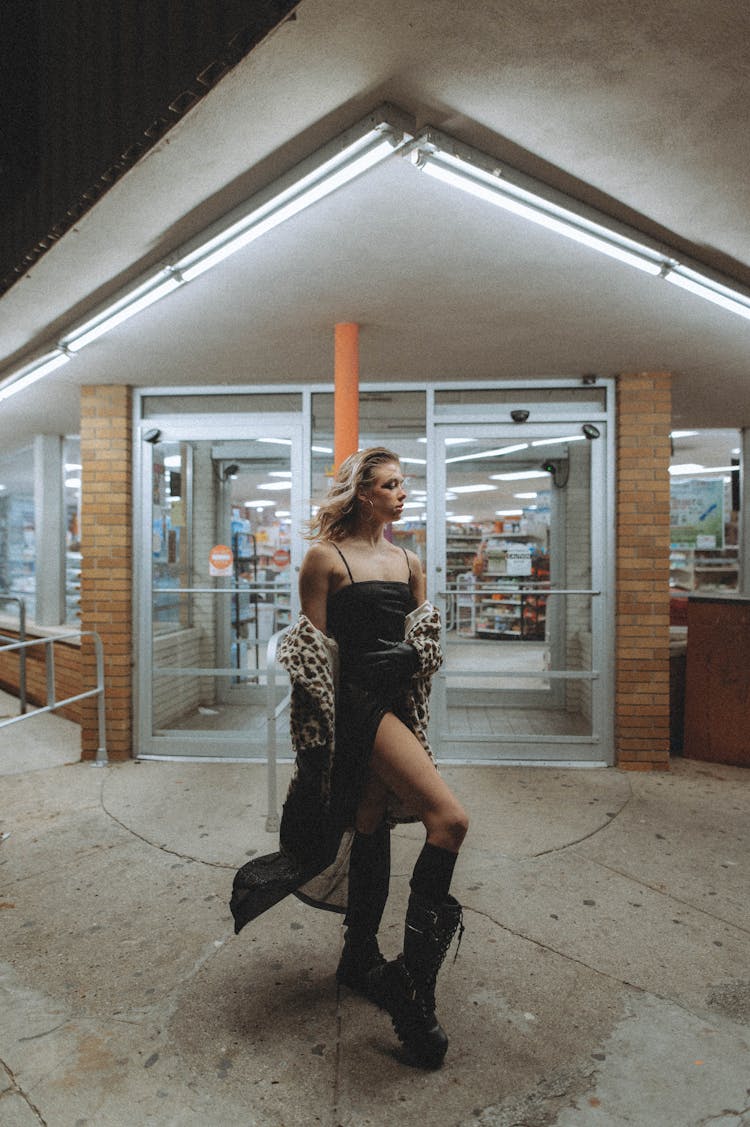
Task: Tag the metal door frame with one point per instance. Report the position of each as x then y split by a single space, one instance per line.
219 427
597 749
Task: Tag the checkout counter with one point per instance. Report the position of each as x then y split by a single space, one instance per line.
717 688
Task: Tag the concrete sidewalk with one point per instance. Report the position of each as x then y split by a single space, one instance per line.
603 979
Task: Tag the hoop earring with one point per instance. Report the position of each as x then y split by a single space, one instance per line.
372 509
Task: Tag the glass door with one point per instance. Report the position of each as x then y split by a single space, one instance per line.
520 576
222 512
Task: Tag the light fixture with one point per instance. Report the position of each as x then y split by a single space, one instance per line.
558 441
134 301
479 488
230 471
683 433
152 436
32 372
371 140
72 483
275 485
454 441
258 504
363 146
472 171
707 288
517 475
693 468
461 167
525 496
590 431
488 453
508 512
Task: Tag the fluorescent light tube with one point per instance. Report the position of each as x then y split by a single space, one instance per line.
557 441
472 488
459 173
332 174
710 290
488 453
122 310
686 467
689 468
29 374
517 475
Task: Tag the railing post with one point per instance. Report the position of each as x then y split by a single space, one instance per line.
22 655
101 751
49 648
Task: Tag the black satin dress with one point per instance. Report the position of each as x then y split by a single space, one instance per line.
361 616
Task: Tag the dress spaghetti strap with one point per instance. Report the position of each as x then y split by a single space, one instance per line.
346 565
406 556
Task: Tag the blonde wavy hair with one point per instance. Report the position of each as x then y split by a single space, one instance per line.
339 511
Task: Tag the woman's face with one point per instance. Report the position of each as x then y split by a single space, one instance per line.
387 493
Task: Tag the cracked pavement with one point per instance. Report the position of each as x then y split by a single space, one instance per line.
603 979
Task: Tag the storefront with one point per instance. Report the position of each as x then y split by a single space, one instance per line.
510 510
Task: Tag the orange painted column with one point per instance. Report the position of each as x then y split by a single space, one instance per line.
345 391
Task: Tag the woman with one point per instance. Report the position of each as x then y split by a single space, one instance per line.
370 764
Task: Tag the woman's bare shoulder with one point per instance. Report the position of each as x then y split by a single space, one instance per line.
321 556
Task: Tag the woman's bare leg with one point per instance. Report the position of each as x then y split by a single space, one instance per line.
400 764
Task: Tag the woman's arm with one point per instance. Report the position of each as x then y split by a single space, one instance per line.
314 584
417 582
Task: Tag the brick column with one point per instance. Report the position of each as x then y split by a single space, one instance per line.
107 571
642 581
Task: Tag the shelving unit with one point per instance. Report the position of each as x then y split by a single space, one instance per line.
476 563
696 569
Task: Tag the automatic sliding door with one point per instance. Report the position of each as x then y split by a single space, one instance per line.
520 593
225 514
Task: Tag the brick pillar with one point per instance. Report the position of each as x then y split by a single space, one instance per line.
642 588
107 571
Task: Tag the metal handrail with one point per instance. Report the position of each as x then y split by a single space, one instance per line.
273 711
101 752
21 638
497 589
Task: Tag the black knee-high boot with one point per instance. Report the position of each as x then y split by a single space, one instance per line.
406 986
369 877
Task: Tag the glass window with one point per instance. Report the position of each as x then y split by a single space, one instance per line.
705 502
196 403
72 520
17 528
584 397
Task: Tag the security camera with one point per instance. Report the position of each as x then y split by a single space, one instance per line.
519 416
